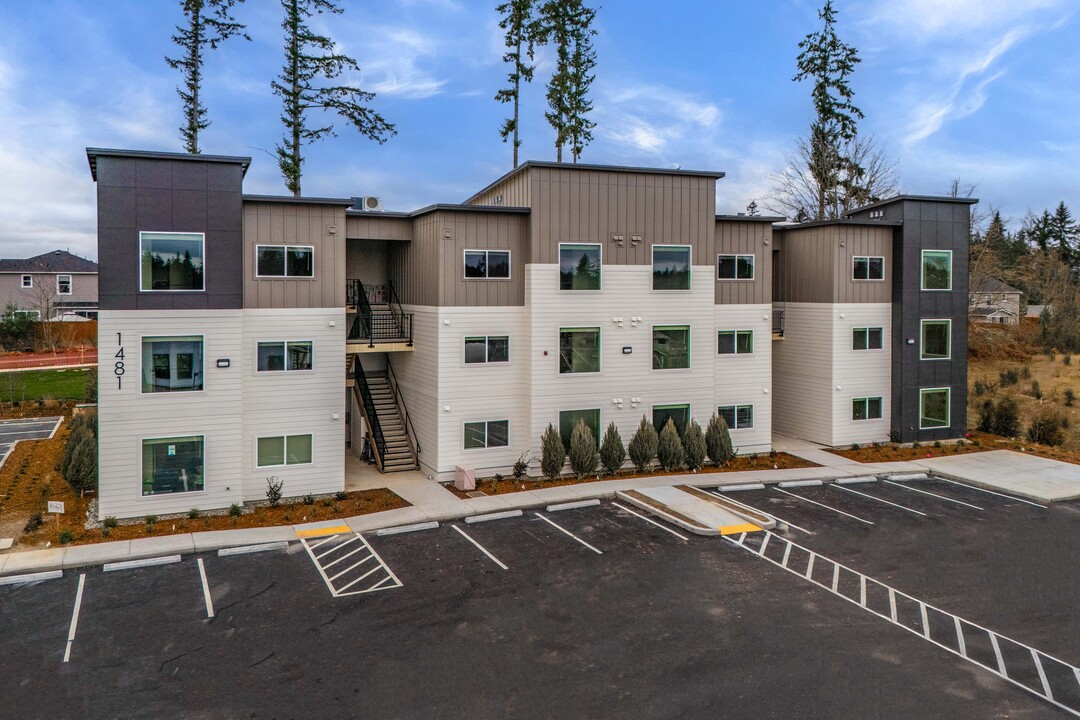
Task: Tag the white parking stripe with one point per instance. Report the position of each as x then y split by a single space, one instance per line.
206 590
990 492
827 507
567 532
74 617
347 555
872 497
960 642
925 492
997 654
1042 673
336 547
653 522
777 518
480 547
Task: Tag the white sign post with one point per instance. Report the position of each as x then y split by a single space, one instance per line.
57 508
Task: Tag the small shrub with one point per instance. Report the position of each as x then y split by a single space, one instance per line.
980 388
150 520
521 466
1067 360
499 477
236 510
612 450
66 537
194 514
1008 377
584 457
855 446
1025 372
1065 422
986 416
718 441
1006 422
309 499
916 445
670 450
1070 397
1050 355
643 445
33 523
895 435
341 495
938 444
274 491
110 522
1036 390
694 446
552 453
1046 430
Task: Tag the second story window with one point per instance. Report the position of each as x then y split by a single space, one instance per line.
671 347
735 342
487 264
937 269
867 268
936 340
63 284
579 350
172 364
285 261
171 261
490 349
868 338
579 267
671 267
278 356
735 267
28 281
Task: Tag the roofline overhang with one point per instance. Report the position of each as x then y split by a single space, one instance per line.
92 155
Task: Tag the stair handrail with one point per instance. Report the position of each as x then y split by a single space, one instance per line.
404 319
361 386
400 401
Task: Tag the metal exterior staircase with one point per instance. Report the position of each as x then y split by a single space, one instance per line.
388 434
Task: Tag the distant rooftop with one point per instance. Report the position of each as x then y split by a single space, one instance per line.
57 261
917 198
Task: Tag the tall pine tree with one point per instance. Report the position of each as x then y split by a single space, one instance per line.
208 24
567 25
309 59
828 61
521 26
1066 233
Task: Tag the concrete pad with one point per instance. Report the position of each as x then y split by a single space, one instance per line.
82 555
3 561
164 545
708 518
218 539
34 560
6 543
387 518
1027 476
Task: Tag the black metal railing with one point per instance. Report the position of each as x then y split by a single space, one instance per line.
778 317
392 380
391 325
363 394
404 319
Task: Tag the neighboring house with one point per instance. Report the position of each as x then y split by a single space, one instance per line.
245 336
1034 311
55 286
995 302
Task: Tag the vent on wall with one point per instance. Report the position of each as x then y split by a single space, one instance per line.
370 203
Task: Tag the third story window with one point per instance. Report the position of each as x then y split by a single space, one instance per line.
866 338
579 267
937 269
487 434
936 339
671 347
489 349
487 264
285 261
283 450
737 417
670 267
735 342
284 356
868 268
171 261
172 364
866 408
735 267
579 350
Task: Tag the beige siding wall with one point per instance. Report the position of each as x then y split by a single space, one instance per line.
372 226
127 415
746 379
295 403
368 261
745 238
861 373
321 226
515 191
84 288
417 373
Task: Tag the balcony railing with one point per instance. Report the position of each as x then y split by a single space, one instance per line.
384 325
778 322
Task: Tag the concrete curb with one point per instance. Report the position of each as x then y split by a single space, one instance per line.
657 512
472 519
249 549
573 505
402 529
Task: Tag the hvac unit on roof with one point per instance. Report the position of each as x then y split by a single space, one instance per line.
369 203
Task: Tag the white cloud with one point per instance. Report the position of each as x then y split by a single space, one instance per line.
395 63
925 20
652 118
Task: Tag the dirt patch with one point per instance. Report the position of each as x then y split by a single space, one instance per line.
976 442
30 476
765 461
36 408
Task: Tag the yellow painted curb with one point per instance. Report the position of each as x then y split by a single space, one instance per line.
322 532
736 529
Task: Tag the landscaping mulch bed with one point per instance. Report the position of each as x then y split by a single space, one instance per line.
976 442
764 461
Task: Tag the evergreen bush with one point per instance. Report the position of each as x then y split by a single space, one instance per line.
718 441
694 446
584 457
643 445
670 450
612 451
1046 430
1006 418
552 453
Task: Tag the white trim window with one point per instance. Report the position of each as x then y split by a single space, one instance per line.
485 434
284 356
735 342
27 282
866 408
63 284
935 339
866 338
172 364
487 265
937 270
737 417
285 261
868 267
735 267
283 450
671 267
935 405
483 349
173 465
29 314
171 262
580 266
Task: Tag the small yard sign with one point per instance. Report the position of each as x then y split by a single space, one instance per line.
56 506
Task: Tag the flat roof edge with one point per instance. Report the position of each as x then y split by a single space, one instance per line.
754 218
93 153
840 223
917 198
298 200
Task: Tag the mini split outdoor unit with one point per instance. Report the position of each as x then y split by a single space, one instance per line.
369 203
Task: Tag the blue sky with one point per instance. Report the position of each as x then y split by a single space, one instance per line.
983 90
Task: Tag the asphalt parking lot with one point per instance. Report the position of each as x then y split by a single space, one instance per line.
593 612
12 431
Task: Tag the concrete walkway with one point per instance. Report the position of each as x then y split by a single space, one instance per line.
810 451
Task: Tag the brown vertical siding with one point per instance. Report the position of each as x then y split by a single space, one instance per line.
414 265
808 264
744 238
372 226
319 225
869 241
480 231
515 191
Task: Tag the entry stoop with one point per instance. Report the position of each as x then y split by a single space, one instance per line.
696 510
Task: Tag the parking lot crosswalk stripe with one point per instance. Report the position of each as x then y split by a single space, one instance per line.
206 590
835 577
567 532
649 520
325 540
990 492
827 507
862 590
335 548
925 620
369 572
764 544
787 555
925 492
997 655
480 547
960 642
810 567
74 617
344 557
880 500
1042 673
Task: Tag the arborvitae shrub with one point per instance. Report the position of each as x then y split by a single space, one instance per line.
718 441
612 451
670 451
643 445
583 453
552 453
694 446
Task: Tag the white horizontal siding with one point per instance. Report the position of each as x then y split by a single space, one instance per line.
746 379
802 373
861 373
417 373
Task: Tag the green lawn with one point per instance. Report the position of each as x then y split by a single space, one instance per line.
41 384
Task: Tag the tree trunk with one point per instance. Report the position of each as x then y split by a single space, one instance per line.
193 111
294 63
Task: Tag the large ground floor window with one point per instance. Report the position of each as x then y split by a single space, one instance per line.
487 434
569 419
680 414
172 465
284 450
934 408
868 408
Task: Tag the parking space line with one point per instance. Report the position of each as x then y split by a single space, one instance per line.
872 497
990 492
925 620
325 540
480 547
1042 673
206 590
960 642
787 554
997 655
862 590
337 547
763 512
764 543
369 572
346 556
810 567
827 507
648 520
940 497
74 617
892 604
380 564
835 577
567 532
